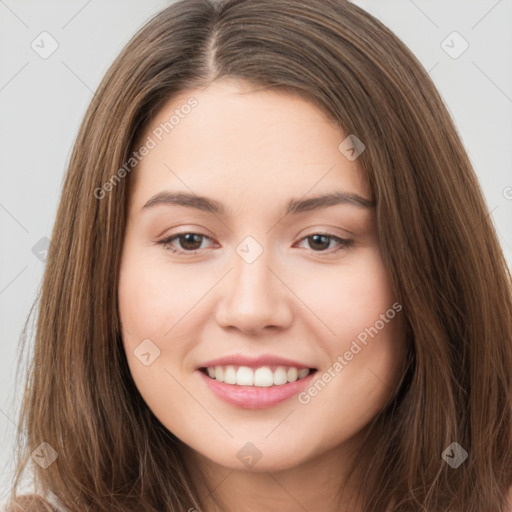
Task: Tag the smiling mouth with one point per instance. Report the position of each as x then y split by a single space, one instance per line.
262 376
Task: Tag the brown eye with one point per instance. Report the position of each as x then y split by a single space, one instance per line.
188 242
321 242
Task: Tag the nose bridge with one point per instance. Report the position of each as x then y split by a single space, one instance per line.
252 278
254 296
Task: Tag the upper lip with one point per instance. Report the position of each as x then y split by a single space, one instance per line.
252 362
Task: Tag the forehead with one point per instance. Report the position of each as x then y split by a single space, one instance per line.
236 142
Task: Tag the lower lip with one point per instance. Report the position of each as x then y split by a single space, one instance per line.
254 397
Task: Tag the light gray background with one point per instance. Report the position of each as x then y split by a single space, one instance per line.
42 102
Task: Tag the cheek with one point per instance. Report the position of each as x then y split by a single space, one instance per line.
153 296
348 299
365 346
149 307
370 327
144 306
161 302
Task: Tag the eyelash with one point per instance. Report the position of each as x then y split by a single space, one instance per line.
166 242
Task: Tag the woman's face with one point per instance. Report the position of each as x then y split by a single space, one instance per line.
257 279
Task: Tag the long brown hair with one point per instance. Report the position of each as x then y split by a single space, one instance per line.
436 236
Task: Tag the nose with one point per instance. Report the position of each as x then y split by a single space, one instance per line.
255 297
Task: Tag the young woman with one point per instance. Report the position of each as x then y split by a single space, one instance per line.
273 282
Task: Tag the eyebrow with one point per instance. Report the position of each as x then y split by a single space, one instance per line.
294 207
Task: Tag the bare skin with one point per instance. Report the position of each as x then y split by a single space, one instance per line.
301 298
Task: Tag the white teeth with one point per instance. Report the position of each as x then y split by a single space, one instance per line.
230 375
244 376
292 374
280 376
263 377
260 377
